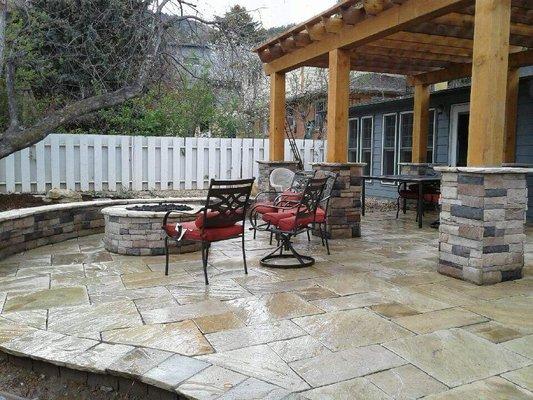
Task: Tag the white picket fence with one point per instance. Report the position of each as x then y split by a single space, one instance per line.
122 163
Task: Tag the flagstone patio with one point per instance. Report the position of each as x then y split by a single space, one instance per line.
372 321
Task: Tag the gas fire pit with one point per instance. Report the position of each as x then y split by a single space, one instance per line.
135 229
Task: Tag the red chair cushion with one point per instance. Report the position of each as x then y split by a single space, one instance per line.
263 208
219 222
432 198
289 223
408 194
275 217
209 235
320 215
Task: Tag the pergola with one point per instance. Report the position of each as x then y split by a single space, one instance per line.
429 41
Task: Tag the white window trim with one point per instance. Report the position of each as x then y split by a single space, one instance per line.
357 136
395 145
371 118
434 134
400 134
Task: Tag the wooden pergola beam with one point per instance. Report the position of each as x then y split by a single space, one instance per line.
511 114
338 104
411 54
458 71
434 49
277 117
389 21
420 124
486 130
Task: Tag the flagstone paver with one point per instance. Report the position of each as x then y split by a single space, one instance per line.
218 322
259 362
406 382
440 319
374 320
252 335
174 370
48 298
523 346
522 377
256 310
346 364
494 388
344 329
89 321
456 357
358 388
211 383
493 331
179 337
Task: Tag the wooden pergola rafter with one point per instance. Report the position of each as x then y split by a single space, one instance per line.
428 41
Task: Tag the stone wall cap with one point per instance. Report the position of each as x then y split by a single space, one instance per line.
122 210
276 162
422 164
348 164
30 211
486 170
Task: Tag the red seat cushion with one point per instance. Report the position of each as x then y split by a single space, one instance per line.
320 215
408 194
263 208
432 197
219 222
289 223
275 217
209 235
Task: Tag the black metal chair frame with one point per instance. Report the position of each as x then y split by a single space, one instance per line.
331 179
311 197
297 186
230 198
404 200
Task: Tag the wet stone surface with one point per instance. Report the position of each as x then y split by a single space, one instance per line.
374 320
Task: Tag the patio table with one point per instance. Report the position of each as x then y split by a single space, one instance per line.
421 180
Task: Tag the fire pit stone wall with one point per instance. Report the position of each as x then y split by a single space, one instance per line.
139 233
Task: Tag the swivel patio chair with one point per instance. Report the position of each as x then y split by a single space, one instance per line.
323 207
270 201
222 218
288 223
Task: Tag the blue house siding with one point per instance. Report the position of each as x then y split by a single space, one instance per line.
442 102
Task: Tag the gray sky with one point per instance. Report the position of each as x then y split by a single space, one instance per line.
270 12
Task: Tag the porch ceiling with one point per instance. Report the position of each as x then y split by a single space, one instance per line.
407 37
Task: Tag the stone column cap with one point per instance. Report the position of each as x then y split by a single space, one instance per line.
347 164
276 162
422 164
486 170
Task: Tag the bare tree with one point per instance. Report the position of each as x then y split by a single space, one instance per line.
123 77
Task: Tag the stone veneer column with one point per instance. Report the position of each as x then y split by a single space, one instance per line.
482 223
344 214
266 167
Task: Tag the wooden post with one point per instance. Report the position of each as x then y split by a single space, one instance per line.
420 124
338 103
277 117
511 110
488 94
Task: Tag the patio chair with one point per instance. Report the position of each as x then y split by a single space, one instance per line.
270 201
222 218
411 193
322 210
281 178
288 223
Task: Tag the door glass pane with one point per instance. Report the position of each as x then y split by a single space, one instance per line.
353 140
389 144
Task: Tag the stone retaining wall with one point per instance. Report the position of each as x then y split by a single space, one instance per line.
28 228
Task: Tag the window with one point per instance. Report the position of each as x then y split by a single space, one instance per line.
367 127
353 140
388 166
406 136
